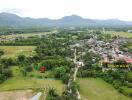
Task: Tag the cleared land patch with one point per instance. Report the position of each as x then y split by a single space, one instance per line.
16 95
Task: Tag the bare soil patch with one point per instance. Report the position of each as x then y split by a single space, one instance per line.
16 95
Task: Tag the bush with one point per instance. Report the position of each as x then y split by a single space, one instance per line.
40 77
32 75
53 63
59 72
7 73
65 78
74 87
28 68
24 73
52 95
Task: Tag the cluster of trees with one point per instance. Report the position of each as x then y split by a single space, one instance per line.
59 66
51 46
9 30
5 71
127 47
26 63
22 41
53 95
104 37
90 59
118 79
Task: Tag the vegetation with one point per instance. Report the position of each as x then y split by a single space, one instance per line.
96 88
46 61
29 82
14 51
127 47
122 34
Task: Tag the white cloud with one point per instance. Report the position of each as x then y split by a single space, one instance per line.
95 9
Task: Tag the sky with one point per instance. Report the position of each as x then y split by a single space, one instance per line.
55 9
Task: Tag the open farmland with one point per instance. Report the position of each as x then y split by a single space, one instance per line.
122 34
97 89
29 82
14 51
25 35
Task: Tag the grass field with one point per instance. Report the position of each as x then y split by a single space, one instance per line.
97 89
25 35
18 82
13 51
122 34
24 83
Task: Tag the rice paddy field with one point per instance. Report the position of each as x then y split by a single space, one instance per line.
14 51
97 89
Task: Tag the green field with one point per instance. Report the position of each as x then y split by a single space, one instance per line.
122 34
97 89
18 82
25 35
13 51
24 83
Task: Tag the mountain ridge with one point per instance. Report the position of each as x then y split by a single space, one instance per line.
13 20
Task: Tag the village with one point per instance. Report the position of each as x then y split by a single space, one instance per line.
109 51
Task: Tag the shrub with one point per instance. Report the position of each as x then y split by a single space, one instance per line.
32 75
40 77
65 78
28 68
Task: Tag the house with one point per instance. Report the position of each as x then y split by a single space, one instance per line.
128 59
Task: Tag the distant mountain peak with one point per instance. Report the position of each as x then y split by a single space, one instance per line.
72 17
8 14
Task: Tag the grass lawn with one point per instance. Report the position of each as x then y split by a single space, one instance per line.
97 89
122 34
13 51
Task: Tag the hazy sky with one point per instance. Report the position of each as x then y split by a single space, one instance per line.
54 9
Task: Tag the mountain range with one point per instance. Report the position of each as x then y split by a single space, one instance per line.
13 20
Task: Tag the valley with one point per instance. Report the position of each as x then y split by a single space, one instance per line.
66 64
